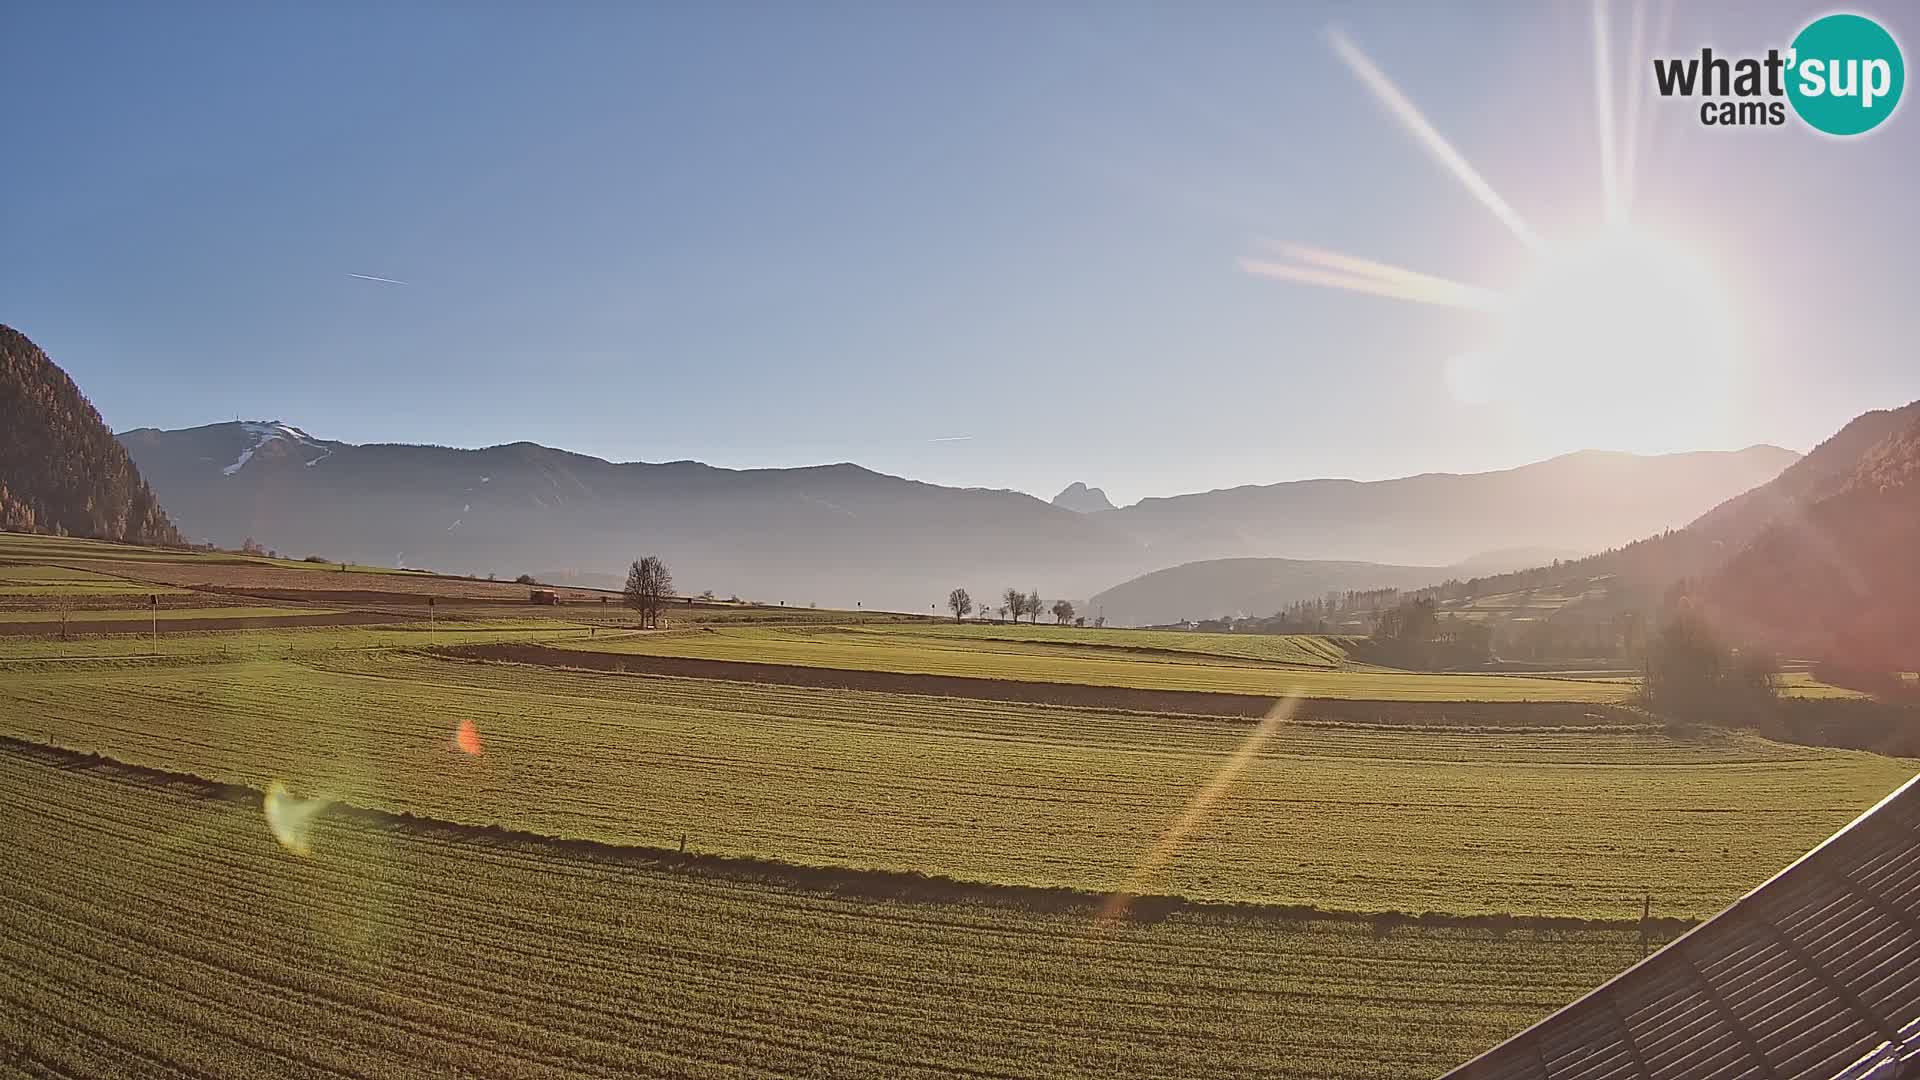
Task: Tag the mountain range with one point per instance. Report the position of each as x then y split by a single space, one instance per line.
842 535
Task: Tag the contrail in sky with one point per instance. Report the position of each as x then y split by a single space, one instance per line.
953 438
370 277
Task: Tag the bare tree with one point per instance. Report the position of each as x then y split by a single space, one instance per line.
960 604
1003 612
1034 606
649 584
1016 602
1062 612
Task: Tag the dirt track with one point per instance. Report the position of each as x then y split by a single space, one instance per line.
1190 702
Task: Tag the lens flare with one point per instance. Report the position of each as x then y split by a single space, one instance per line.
290 818
1198 808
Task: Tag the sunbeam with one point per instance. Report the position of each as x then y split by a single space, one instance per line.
1437 292
1198 808
1603 113
1334 270
1416 124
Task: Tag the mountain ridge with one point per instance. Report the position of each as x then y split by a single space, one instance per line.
836 533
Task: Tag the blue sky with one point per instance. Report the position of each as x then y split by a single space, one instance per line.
787 234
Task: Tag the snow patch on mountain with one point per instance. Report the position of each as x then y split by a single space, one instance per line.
266 432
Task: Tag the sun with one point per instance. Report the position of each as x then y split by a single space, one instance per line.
1616 338
1619 338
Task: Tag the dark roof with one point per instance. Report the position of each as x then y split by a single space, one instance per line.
1890 1061
1804 976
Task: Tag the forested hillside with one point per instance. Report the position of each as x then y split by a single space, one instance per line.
61 469
1818 563
1839 580
1659 561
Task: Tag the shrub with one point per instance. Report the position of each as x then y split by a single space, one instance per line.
1691 677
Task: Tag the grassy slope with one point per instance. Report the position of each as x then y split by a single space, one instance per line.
1556 822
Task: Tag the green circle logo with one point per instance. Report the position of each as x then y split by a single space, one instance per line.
1845 75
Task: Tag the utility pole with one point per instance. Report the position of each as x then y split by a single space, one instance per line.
1646 913
153 610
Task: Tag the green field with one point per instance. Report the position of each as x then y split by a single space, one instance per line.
1304 650
197 948
151 926
1028 661
1556 822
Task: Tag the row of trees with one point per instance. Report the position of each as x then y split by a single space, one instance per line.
1414 634
1014 603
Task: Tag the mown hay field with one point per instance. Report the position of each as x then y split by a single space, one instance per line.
148 929
1530 822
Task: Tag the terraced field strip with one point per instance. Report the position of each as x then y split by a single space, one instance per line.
27 579
274 641
1097 667
163 614
1302 650
147 929
1559 822
29 547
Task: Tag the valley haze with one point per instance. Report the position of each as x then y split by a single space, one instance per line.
843 535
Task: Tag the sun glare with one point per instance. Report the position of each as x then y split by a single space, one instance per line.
1614 339
1619 332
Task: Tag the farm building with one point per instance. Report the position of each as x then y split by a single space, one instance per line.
1816 973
